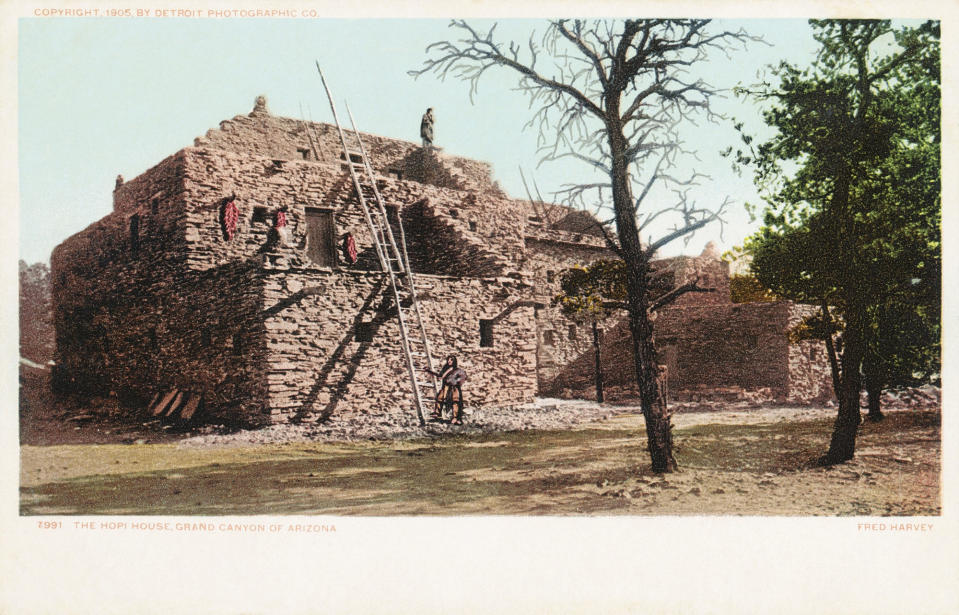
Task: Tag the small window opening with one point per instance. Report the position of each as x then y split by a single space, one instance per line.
549 337
354 158
572 332
259 215
364 332
135 233
395 174
473 225
812 353
305 153
535 219
454 213
550 276
486 333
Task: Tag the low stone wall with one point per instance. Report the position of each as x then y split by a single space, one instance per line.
731 345
810 377
713 350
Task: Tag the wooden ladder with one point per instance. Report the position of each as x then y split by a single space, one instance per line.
394 261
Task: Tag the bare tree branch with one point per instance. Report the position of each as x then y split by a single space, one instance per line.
611 94
484 52
676 293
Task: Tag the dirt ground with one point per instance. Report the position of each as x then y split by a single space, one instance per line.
551 458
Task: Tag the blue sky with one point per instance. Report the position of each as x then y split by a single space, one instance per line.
101 97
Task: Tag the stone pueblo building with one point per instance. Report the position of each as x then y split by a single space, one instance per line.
237 281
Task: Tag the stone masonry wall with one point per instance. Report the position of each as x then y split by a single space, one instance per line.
810 378
281 138
212 176
710 273
135 322
560 340
161 184
707 348
732 345
266 336
317 367
432 166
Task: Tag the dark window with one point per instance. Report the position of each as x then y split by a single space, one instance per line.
354 158
135 233
321 237
395 174
473 225
572 332
392 213
305 153
364 332
486 333
454 213
549 337
812 352
550 276
259 215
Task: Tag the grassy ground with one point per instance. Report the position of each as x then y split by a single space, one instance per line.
601 468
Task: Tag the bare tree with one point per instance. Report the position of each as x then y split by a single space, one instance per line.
612 95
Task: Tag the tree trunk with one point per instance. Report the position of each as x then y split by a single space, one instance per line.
842 446
658 428
831 351
598 365
873 382
843 443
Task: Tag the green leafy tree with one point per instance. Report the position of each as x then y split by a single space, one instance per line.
746 288
853 190
611 94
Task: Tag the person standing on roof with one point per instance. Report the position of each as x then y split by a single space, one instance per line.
426 128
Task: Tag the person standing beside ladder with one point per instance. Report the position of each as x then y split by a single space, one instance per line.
426 128
451 394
